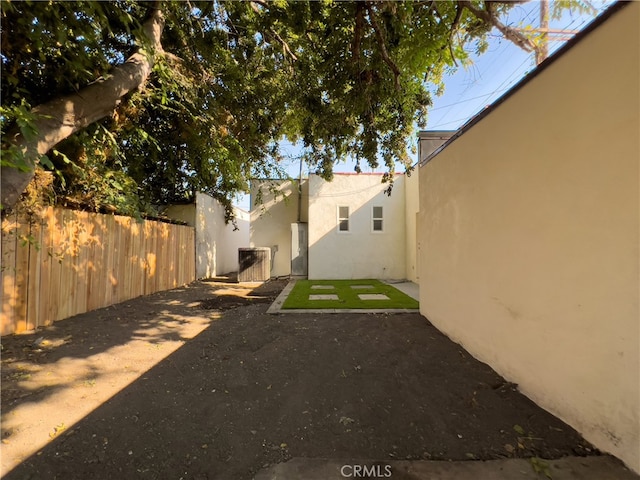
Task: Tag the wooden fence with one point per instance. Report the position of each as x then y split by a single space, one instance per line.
67 262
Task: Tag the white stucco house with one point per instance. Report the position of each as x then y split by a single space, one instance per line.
355 229
346 228
335 229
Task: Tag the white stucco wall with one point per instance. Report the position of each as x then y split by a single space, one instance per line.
529 233
209 226
360 253
271 220
216 242
412 205
428 142
230 241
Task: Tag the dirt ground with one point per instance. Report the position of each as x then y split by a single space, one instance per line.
200 383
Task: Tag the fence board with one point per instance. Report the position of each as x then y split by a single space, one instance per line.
66 278
33 274
51 265
46 257
22 276
66 262
82 260
107 271
9 240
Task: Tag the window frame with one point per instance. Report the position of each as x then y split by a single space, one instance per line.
339 219
374 219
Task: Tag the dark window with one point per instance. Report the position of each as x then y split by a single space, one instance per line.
343 219
377 219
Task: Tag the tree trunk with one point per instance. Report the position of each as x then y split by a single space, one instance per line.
61 117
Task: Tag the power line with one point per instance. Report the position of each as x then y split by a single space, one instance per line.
499 89
464 101
525 14
494 73
557 43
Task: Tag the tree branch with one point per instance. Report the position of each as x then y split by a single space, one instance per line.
285 45
62 117
381 42
510 34
456 20
357 32
454 27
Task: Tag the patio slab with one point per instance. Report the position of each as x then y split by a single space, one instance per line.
372 296
329 296
409 288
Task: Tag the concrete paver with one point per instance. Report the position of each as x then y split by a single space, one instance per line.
409 288
329 296
372 296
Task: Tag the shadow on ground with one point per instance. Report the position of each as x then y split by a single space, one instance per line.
155 320
252 389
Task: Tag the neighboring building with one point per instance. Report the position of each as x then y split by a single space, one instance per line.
529 234
349 227
355 229
275 207
217 243
429 141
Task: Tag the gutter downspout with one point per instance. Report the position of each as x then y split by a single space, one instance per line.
300 192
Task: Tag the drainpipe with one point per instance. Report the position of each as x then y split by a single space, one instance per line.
274 249
300 191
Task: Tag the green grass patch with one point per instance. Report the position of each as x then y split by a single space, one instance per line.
347 296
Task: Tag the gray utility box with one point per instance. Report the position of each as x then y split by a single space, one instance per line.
254 264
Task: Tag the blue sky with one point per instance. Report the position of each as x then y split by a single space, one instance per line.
469 90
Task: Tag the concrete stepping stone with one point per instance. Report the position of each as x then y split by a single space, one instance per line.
322 287
372 296
361 287
329 296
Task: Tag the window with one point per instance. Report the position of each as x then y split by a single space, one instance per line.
343 219
376 219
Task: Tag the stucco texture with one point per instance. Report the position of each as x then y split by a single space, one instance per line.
230 240
412 205
217 243
360 252
529 237
272 213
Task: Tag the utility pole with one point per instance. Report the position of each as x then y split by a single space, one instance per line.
546 33
543 50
